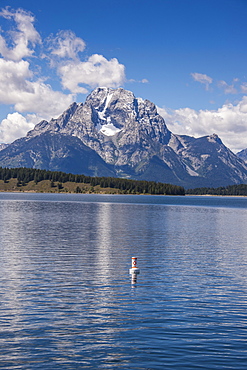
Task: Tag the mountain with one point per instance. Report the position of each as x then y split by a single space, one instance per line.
116 134
56 152
243 155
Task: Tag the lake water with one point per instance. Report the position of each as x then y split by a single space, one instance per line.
67 299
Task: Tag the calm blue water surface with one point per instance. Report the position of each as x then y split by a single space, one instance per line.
67 300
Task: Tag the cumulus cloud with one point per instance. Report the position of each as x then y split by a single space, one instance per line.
13 127
229 122
203 79
17 89
43 100
13 80
95 71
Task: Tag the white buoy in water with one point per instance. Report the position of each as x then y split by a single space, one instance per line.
134 269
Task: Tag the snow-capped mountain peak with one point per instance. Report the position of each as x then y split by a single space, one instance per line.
130 139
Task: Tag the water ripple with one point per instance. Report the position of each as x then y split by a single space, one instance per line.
67 301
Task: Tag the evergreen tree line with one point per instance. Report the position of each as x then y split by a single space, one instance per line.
227 190
25 175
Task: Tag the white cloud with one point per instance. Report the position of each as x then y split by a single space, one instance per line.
13 127
228 89
229 122
13 80
96 71
143 81
243 87
29 96
43 100
66 45
22 38
232 88
203 79
17 84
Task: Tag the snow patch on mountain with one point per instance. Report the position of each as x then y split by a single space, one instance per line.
109 129
101 114
105 126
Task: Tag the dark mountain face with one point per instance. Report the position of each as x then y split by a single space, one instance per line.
55 152
116 134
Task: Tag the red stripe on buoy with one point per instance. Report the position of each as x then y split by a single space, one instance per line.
134 261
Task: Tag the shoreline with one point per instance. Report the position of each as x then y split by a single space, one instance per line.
116 193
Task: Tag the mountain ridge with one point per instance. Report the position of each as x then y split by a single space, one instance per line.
120 135
243 155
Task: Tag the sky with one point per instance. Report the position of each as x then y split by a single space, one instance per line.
189 57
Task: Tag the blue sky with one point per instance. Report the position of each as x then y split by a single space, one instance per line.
189 57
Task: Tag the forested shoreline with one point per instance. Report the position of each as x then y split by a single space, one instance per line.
57 180
237 190
83 184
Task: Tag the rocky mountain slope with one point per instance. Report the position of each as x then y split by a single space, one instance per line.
243 155
116 134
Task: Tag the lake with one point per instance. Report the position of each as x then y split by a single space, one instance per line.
68 301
